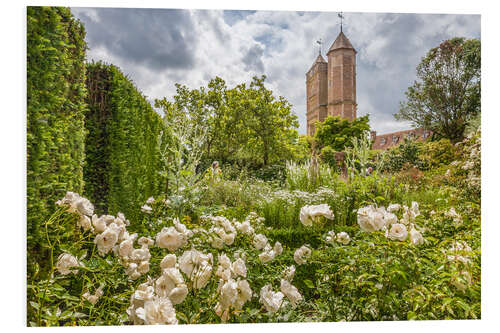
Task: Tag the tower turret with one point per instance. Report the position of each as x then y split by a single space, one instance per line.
342 78
316 93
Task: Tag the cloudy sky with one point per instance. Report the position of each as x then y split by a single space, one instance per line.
157 48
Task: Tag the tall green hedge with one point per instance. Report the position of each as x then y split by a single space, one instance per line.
55 112
122 162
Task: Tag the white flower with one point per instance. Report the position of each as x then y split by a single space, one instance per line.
457 218
389 219
291 292
289 272
99 223
126 247
168 261
167 282
312 213
416 237
343 237
398 232
178 294
245 227
141 254
244 294
278 249
106 240
150 200
393 208
85 223
143 267
145 241
228 239
266 256
330 236
260 241
414 209
93 298
301 254
272 300
370 218
203 274
146 209
171 239
239 267
159 310
65 261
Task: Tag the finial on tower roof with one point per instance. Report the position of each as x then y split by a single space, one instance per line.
320 42
341 16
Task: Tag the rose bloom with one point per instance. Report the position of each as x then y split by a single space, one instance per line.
289 272
291 292
244 294
416 237
66 261
159 310
203 274
106 240
260 241
301 254
168 261
239 267
370 219
311 213
393 208
171 239
398 232
126 247
272 300
343 238
85 223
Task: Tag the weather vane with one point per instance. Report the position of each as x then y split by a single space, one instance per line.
341 18
320 41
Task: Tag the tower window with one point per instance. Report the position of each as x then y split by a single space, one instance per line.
383 141
395 139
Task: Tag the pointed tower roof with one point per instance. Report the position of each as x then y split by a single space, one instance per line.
319 59
342 42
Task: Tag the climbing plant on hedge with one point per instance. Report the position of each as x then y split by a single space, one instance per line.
122 164
55 114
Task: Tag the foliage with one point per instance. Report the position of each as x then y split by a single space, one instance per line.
123 157
245 124
55 114
357 155
336 134
447 94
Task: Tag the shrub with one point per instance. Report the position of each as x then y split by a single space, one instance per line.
122 165
55 114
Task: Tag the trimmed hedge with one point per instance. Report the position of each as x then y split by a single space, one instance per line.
55 113
122 163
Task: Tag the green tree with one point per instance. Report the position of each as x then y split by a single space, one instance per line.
337 133
447 93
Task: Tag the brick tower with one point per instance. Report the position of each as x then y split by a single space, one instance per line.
342 78
316 93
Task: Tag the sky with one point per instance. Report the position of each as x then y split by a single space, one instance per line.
157 48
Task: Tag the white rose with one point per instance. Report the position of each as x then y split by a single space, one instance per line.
239 268
272 300
65 261
416 237
171 239
393 208
85 223
106 240
398 232
278 248
126 247
168 261
157 311
343 238
259 241
301 254
291 292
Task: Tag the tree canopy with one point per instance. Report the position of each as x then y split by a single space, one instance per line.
246 123
447 92
337 133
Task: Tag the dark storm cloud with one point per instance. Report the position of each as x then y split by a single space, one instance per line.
156 38
253 59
